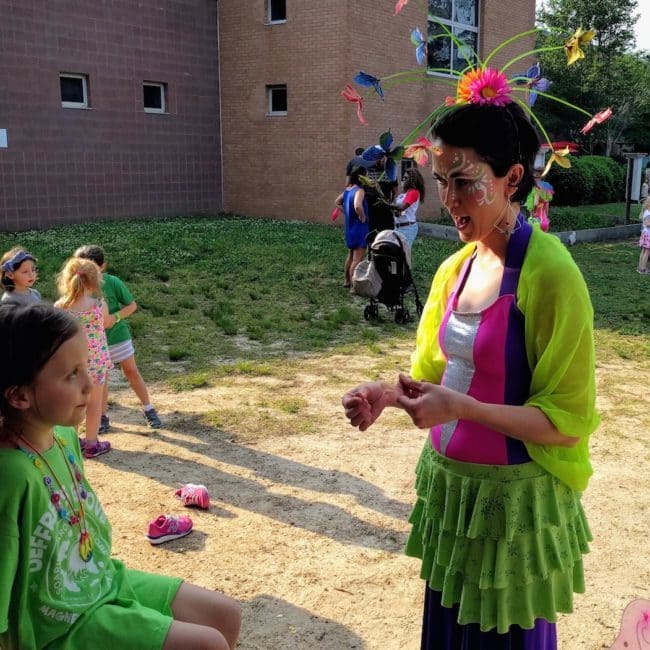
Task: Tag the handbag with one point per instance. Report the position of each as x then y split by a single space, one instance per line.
366 280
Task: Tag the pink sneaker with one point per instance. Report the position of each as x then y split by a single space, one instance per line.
94 449
194 495
168 527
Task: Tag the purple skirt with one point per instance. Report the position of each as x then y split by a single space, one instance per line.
440 631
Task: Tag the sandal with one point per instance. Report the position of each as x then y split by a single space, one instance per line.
98 448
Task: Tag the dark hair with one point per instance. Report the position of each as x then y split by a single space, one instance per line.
29 336
90 252
358 151
500 136
413 180
356 172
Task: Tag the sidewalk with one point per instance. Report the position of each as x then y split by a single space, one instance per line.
627 231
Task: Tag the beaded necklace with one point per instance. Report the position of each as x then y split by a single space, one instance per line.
72 517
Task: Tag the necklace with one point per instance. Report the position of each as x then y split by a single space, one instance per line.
73 518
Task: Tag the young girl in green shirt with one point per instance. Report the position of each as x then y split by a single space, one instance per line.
59 586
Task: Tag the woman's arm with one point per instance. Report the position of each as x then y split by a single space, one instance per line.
429 404
365 403
358 205
339 201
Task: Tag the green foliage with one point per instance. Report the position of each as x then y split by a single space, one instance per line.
586 217
589 180
610 74
189 381
177 354
295 272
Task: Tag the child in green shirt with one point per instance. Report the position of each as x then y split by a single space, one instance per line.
121 304
59 586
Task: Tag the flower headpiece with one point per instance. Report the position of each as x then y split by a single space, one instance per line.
479 83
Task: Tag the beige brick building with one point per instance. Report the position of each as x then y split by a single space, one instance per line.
160 107
292 164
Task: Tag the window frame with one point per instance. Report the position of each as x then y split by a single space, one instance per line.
162 86
269 13
269 92
85 104
453 27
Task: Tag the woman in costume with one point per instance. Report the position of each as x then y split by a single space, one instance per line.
502 377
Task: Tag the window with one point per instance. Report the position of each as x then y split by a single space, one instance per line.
277 100
277 11
461 18
74 90
154 97
407 163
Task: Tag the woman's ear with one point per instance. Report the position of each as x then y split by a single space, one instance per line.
18 397
514 177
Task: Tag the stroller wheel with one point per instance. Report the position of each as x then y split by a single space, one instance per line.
371 312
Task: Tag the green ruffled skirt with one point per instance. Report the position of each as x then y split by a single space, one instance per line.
504 542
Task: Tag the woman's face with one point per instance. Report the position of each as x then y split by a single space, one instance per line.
475 198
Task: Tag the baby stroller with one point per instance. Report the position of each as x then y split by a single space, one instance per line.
389 262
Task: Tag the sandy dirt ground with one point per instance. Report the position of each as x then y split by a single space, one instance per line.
307 523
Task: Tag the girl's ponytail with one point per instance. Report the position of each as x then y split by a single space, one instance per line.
77 276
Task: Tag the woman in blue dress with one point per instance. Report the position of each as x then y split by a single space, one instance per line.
353 203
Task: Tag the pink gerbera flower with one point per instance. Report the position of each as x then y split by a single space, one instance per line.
489 86
464 92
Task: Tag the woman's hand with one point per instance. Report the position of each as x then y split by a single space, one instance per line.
364 404
427 404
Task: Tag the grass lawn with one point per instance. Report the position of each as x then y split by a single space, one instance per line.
228 296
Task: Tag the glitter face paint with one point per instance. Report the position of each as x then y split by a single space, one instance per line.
473 180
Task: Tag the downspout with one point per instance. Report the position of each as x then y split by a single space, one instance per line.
220 111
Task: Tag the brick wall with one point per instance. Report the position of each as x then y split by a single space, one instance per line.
294 166
112 160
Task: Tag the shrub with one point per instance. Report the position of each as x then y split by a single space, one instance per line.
601 177
589 180
568 185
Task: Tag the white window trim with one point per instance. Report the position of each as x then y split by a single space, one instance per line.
163 95
84 83
268 15
453 25
269 93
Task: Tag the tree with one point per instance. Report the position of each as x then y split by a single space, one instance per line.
610 75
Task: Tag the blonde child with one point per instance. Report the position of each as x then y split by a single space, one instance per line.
79 285
19 273
61 587
121 304
644 241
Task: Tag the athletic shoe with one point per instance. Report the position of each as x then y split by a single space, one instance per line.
151 416
194 495
168 527
94 449
104 424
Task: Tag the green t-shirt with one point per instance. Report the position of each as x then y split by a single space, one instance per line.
116 295
45 586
